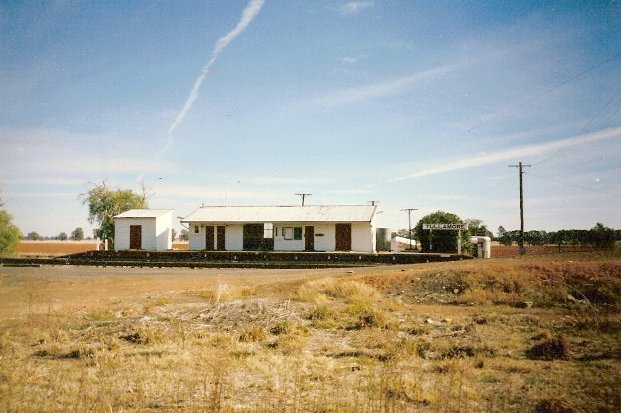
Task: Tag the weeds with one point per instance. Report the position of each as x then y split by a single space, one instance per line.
252 333
369 342
549 349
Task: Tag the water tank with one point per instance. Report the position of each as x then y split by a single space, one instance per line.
382 239
483 246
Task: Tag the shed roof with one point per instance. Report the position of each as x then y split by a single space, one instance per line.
307 213
144 213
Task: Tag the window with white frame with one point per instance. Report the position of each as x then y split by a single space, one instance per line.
268 230
292 233
287 233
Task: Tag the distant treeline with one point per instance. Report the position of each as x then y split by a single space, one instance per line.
597 237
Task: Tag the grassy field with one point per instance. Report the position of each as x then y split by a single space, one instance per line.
529 334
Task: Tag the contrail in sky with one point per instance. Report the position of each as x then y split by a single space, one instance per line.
513 153
249 13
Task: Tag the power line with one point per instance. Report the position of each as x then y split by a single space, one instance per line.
589 124
545 92
576 186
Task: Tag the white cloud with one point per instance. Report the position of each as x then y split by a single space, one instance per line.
354 7
61 157
60 181
350 60
448 197
204 192
360 191
513 154
376 90
276 180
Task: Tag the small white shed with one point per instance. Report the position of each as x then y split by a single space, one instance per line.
143 229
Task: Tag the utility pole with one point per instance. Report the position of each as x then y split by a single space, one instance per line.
303 195
520 167
409 210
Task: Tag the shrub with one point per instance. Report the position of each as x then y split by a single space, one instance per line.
458 351
552 406
549 349
596 290
367 317
322 317
282 327
9 233
251 332
320 291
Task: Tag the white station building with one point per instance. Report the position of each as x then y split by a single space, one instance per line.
143 229
283 228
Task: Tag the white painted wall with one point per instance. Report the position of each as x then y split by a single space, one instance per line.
362 237
327 242
163 231
282 244
233 236
121 233
196 240
234 240
362 234
156 232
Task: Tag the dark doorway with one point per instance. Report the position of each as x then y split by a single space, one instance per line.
135 237
209 243
253 236
309 238
343 237
221 238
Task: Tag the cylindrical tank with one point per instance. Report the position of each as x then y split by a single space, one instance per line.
483 246
382 239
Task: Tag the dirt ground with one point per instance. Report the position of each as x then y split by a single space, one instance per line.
55 288
538 334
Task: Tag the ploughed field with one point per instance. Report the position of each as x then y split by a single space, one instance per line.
528 334
49 248
52 248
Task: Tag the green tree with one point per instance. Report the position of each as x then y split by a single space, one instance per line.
77 234
173 235
33 236
504 237
63 236
184 235
601 237
9 233
405 233
476 227
535 237
440 241
104 203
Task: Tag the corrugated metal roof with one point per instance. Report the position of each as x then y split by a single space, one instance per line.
144 213
307 213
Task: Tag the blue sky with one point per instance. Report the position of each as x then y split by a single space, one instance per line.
420 104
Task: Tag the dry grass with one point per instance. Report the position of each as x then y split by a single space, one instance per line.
443 337
502 251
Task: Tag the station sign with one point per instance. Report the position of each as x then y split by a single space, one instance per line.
446 226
